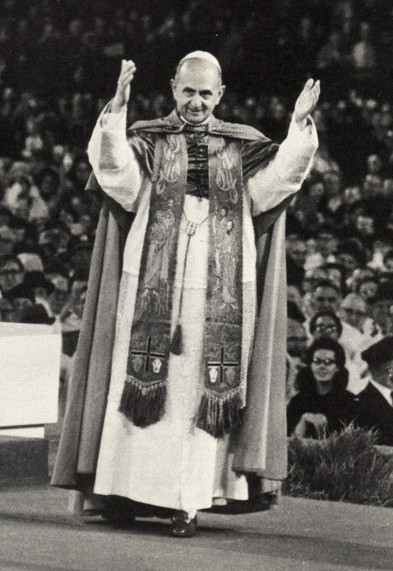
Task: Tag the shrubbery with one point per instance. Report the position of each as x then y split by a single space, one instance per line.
346 466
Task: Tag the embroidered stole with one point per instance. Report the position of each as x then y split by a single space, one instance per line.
144 394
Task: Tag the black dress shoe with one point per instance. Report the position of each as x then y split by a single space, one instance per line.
183 525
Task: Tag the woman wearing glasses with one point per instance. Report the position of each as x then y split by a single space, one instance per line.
322 405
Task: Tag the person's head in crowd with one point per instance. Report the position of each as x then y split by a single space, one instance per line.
351 255
58 298
360 274
325 368
336 274
48 183
312 277
374 164
294 295
383 307
387 188
379 358
36 314
296 332
297 250
79 303
80 256
8 240
372 186
326 324
353 310
332 180
365 226
388 261
352 195
6 310
327 241
367 289
41 286
325 296
81 171
21 297
54 237
11 272
78 281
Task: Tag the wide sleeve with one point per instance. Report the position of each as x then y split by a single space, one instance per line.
114 163
285 173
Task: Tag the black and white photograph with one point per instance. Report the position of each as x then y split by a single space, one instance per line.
196 285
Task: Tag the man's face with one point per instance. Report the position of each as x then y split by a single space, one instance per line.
197 90
383 373
296 338
325 326
353 310
11 275
325 298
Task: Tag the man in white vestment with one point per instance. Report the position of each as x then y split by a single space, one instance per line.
178 390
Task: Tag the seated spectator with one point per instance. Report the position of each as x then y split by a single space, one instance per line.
21 297
296 345
353 310
326 324
325 295
383 307
375 407
336 273
388 261
11 272
322 405
6 310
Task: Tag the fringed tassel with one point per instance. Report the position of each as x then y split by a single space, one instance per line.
219 415
176 346
141 403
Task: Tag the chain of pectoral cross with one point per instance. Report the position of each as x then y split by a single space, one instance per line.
191 227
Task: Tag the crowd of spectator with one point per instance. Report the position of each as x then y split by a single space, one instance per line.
58 66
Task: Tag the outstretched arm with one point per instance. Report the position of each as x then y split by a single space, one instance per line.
114 163
286 172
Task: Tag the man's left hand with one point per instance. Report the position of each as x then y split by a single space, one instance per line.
306 102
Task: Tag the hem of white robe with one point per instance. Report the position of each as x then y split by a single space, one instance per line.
224 483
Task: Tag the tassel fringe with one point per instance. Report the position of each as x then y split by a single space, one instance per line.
219 415
143 404
177 341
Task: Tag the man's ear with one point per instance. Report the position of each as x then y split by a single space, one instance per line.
222 91
172 82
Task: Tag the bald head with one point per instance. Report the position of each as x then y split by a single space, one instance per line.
197 88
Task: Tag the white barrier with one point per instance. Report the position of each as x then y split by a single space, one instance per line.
29 378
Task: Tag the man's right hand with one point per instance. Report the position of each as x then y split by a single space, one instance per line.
122 96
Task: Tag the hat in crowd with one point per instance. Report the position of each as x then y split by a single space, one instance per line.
31 262
38 279
379 352
36 314
20 291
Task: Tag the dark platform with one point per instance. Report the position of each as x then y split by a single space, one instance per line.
23 461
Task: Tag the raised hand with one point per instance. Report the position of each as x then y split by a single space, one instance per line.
306 102
122 95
